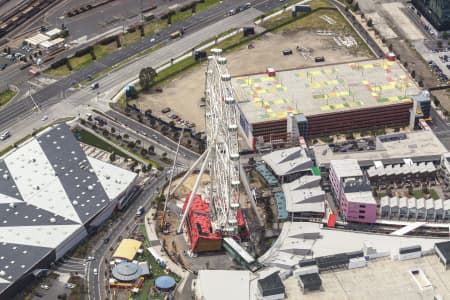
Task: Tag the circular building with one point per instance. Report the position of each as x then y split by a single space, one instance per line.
165 283
126 271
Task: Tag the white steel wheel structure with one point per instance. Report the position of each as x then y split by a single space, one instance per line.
221 157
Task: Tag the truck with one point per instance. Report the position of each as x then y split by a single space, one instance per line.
175 34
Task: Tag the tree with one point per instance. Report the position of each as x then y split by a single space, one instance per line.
370 23
436 101
164 154
439 43
126 136
151 149
152 122
113 130
390 47
112 157
138 142
131 144
413 73
146 77
356 7
251 161
445 35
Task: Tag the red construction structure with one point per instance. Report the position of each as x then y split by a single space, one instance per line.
198 223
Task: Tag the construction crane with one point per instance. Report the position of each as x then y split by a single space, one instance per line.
221 157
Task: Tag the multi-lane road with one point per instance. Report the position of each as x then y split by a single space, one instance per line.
198 28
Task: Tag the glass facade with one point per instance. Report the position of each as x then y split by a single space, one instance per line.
436 11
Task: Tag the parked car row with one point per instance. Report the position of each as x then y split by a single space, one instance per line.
438 70
180 121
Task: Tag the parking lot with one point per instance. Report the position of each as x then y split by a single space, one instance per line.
183 95
440 63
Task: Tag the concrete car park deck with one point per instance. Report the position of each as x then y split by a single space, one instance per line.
381 279
323 89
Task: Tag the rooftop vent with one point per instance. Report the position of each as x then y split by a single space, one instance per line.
75 202
5 176
52 220
90 187
11 205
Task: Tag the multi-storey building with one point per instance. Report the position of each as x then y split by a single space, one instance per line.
279 107
352 191
436 11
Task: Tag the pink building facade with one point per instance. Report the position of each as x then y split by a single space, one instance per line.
352 192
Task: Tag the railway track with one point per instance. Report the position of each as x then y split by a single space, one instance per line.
21 13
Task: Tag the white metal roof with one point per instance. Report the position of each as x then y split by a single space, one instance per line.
420 203
37 39
412 203
331 242
223 284
302 182
288 161
346 168
114 180
37 180
447 204
438 204
241 251
41 236
305 200
361 197
393 202
51 43
418 144
48 192
53 32
429 203
385 201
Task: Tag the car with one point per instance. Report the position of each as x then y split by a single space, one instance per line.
287 52
152 40
90 258
140 211
95 271
3 66
95 86
106 240
166 110
39 295
69 285
319 59
5 135
44 118
155 136
44 286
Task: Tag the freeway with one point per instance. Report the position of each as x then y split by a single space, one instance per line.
206 22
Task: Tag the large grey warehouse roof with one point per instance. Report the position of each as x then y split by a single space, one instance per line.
49 189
